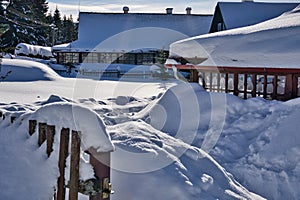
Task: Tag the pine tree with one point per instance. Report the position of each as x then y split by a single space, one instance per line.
57 26
27 23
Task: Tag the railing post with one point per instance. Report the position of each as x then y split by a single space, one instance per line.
101 165
42 133
63 154
236 84
50 139
74 166
32 127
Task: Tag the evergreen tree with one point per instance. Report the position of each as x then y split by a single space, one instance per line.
57 26
27 23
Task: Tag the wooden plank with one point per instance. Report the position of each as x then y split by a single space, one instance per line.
74 166
245 85
265 86
218 82
101 165
254 82
236 84
12 119
275 87
295 86
226 82
288 89
50 139
32 127
63 154
242 70
42 133
194 76
210 82
203 80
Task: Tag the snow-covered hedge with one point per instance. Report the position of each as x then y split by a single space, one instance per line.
24 49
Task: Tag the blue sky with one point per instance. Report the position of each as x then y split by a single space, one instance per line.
68 7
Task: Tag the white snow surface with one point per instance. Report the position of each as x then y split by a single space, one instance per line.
26 70
35 50
127 32
274 43
239 14
172 140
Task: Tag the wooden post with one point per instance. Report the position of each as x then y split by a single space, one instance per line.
32 127
275 85
288 89
245 85
74 166
218 82
12 119
254 79
210 81
265 86
50 139
101 164
236 84
194 77
63 154
203 81
226 82
295 86
42 133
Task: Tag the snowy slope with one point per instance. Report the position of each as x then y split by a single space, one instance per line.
273 43
172 140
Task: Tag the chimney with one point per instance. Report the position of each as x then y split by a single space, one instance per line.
125 9
188 10
169 11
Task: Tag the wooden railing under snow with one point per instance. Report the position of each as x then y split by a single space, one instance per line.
98 188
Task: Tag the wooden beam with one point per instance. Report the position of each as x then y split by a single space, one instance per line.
265 86
254 82
218 82
74 166
50 139
245 85
275 85
32 127
242 70
63 154
210 81
101 165
42 133
203 80
226 82
236 84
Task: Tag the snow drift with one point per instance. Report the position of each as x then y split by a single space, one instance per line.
24 70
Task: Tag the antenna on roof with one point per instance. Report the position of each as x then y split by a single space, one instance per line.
78 6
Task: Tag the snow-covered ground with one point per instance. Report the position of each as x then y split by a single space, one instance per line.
172 140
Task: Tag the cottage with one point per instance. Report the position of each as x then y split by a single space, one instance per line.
258 60
129 38
229 15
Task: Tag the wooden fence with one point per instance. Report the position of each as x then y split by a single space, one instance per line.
98 188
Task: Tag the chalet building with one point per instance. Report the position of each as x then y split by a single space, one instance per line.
229 15
258 60
129 38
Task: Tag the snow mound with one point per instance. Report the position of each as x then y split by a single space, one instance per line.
157 159
25 70
68 115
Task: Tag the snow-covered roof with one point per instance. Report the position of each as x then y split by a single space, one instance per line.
132 31
239 14
274 43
